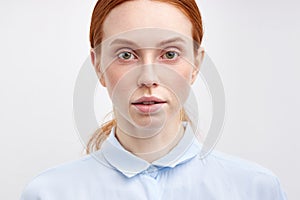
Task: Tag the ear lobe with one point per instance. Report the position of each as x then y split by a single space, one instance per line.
96 64
102 81
199 57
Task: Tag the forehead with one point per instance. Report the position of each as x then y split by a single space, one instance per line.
139 14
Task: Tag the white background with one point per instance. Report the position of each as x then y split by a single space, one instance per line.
254 44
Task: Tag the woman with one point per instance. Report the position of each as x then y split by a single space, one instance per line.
147 54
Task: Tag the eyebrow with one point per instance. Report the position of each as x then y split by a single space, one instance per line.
172 40
131 43
122 41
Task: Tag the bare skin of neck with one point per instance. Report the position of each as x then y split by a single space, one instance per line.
156 146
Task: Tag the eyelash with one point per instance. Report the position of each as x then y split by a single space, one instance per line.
124 52
121 52
133 56
172 51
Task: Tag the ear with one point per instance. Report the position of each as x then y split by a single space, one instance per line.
96 64
198 62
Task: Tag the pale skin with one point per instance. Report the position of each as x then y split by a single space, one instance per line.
137 15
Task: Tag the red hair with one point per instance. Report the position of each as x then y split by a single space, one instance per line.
101 10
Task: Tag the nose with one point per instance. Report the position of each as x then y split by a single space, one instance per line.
148 77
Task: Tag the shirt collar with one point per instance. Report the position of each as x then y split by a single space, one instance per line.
130 165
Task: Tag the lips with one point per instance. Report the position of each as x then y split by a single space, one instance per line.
148 100
148 104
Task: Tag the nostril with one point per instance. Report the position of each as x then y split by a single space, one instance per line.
150 84
148 79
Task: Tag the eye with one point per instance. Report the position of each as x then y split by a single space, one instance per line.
170 55
126 55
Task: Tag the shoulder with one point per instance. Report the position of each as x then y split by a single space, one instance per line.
238 164
67 178
67 169
245 176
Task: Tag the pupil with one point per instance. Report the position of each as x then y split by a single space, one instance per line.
126 55
170 55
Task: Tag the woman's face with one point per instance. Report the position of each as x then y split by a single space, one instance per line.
147 62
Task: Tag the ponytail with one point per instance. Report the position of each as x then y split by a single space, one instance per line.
100 136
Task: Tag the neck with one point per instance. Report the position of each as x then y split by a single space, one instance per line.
156 146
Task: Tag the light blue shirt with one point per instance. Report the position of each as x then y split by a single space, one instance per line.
112 173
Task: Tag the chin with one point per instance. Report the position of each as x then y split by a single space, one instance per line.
149 122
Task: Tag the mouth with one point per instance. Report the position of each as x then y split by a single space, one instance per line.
148 104
148 101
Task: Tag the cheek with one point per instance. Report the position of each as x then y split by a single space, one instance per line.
184 73
112 78
120 83
177 81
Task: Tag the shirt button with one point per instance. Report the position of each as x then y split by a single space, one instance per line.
152 171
